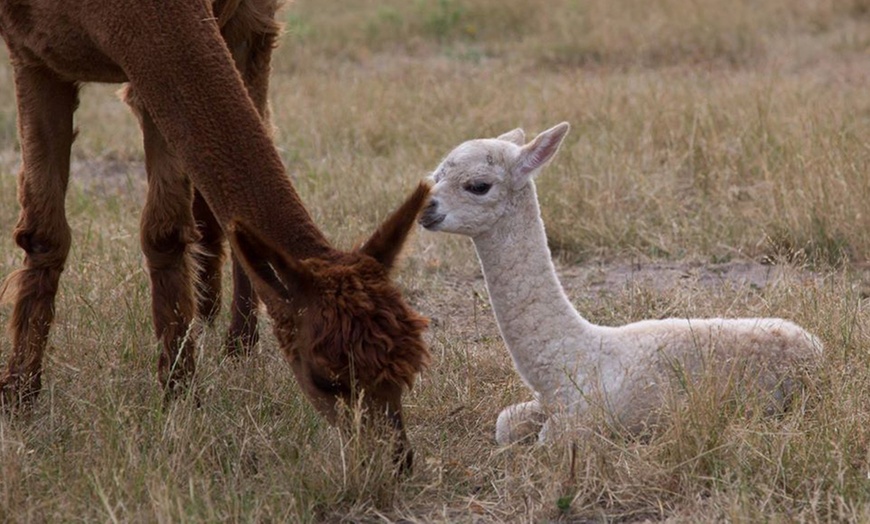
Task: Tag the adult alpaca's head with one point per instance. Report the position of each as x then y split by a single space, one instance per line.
476 182
343 325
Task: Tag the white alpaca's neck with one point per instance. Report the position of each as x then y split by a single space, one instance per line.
536 319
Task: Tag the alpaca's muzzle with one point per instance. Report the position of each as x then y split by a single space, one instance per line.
430 217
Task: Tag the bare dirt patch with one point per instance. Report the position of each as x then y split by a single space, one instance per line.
607 277
102 177
98 177
461 300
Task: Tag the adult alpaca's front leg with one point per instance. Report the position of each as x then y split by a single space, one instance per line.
168 233
520 423
250 33
45 124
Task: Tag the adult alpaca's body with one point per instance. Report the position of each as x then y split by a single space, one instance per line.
484 189
198 74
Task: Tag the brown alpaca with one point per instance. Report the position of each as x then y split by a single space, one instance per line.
198 75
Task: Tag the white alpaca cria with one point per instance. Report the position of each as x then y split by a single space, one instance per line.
484 189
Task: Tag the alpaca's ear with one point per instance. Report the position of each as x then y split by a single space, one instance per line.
539 151
516 136
266 262
386 243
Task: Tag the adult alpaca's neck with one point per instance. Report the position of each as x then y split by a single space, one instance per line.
210 121
533 313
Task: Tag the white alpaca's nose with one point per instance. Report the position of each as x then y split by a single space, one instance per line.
430 217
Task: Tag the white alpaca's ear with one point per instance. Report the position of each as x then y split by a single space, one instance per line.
539 151
516 136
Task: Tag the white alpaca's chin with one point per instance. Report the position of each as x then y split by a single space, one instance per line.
446 225
432 221
440 222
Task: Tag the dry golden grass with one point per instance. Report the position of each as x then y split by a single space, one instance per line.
706 138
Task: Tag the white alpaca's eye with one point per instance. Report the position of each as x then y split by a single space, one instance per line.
478 188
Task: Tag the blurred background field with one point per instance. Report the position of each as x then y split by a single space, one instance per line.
717 165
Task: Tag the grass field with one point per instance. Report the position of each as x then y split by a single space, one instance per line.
718 165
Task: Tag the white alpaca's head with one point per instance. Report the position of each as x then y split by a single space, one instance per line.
474 184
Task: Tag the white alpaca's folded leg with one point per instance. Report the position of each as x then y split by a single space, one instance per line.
519 422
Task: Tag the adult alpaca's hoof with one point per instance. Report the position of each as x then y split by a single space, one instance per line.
404 461
240 342
176 383
18 393
179 390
